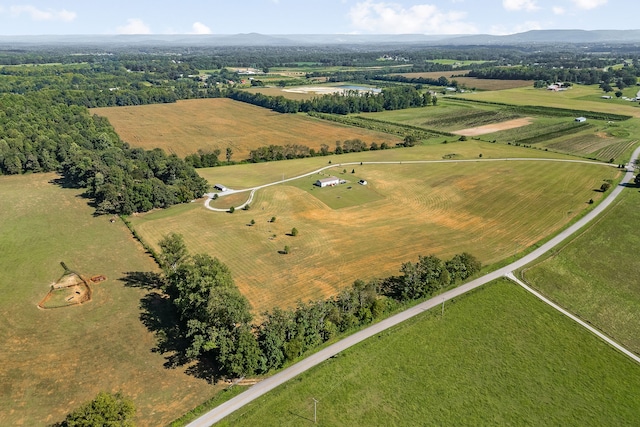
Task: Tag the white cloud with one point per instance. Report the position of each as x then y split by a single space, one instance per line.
557 10
43 15
393 18
528 5
134 26
200 28
588 4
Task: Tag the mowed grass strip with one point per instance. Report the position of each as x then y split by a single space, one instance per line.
490 209
498 356
251 175
55 360
186 126
596 275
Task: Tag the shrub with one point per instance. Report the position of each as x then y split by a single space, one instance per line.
232 209
294 231
273 219
286 250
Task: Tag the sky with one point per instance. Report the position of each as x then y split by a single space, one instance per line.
498 17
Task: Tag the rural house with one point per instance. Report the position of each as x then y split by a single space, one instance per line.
327 182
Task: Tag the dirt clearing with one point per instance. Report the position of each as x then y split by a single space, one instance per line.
495 127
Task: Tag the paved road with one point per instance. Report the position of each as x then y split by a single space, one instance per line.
270 383
230 191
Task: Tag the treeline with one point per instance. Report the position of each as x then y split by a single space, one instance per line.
216 322
40 135
392 98
297 151
587 76
117 81
440 81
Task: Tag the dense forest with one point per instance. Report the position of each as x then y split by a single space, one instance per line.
41 135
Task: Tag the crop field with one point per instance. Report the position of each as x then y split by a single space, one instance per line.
578 97
277 91
447 116
54 360
596 275
491 209
186 126
498 356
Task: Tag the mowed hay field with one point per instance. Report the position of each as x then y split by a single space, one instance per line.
186 126
254 174
52 361
596 274
491 209
498 357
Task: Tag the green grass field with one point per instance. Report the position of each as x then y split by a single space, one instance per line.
55 360
491 209
578 97
596 275
497 357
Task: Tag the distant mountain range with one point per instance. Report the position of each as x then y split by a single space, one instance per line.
254 39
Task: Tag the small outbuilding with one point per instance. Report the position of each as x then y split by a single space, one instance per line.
327 182
220 188
581 119
363 182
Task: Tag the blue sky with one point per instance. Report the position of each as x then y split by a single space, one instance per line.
38 17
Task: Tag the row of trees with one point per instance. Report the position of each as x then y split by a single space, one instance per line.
589 76
297 151
350 101
216 320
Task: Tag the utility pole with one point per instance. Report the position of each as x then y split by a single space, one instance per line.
315 407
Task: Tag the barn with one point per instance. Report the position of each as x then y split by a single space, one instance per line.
220 187
327 182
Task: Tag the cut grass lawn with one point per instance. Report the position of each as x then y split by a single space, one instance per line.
596 274
491 209
55 360
498 357
186 126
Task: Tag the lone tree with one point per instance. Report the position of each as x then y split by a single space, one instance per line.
286 250
232 209
173 252
294 231
105 410
273 219
253 221
605 186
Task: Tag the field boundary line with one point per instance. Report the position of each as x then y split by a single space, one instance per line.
575 318
209 196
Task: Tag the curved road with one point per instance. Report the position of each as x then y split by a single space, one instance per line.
272 382
406 162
